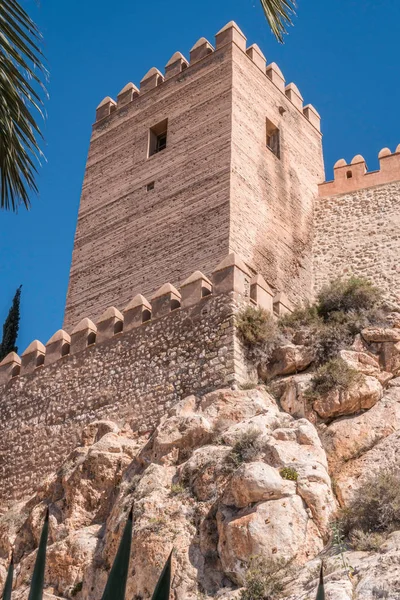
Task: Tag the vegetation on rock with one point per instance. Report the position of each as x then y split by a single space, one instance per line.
335 374
246 448
375 509
258 332
289 473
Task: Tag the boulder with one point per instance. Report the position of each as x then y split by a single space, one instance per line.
287 360
256 482
349 437
337 403
381 334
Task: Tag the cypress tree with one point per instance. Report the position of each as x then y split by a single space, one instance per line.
11 327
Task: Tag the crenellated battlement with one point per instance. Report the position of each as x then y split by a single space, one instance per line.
231 275
230 34
355 176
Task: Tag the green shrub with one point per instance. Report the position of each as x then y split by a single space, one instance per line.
246 448
289 473
333 375
258 331
345 295
177 489
375 507
329 339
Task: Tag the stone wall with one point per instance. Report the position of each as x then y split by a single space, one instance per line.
133 379
272 197
216 188
358 233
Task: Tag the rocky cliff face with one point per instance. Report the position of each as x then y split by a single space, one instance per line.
225 478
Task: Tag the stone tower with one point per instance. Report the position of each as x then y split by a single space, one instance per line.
215 156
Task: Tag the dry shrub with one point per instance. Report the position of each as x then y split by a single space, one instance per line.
366 541
354 294
333 375
258 332
343 309
375 508
262 581
246 449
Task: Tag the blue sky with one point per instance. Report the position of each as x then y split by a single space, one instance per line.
343 55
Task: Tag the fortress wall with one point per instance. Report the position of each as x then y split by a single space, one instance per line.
358 232
273 197
131 240
132 378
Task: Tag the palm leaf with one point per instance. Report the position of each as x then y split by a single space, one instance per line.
116 583
279 13
36 591
163 586
321 588
9 581
22 73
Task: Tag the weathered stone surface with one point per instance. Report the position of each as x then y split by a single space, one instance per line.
381 334
256 482
286 360
349 437
361 396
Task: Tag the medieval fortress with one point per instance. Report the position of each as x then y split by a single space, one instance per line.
204 191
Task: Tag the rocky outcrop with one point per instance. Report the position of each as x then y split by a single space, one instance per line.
224 477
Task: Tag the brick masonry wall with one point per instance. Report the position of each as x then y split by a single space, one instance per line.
359 233
272 198
133 379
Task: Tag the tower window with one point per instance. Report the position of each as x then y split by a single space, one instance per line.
273 138
349 174
150 186
158 137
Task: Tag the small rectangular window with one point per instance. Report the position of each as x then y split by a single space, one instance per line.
273 138
150 186
158 137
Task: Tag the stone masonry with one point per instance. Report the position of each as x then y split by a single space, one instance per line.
357 224
215 188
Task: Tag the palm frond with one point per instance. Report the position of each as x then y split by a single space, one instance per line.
117 580
37 583
321 587
163 586
9 581
22 77
279 15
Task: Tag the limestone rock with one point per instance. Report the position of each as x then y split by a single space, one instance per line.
349 437
286 360
256 482
360 397
381 334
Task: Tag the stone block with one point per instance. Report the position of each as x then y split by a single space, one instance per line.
313 116
229 34
127 94
138 311
257 56
10 367
110 323
201 49
105 108
58 346
261 293
293 93
166 299
151 80
231 275
282 305
194 288
276 76
176 64
32 357
83 335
